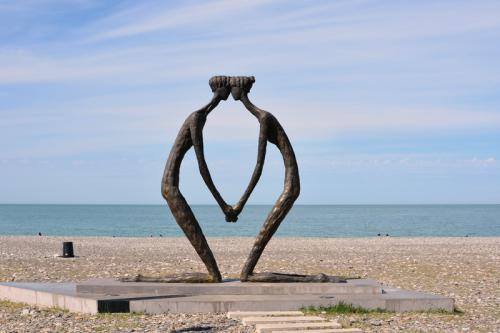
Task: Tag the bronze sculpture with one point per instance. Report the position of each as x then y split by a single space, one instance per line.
272 131
191 135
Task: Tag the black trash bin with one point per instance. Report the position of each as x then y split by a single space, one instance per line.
68 250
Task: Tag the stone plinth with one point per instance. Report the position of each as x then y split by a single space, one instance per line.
112 296
228 287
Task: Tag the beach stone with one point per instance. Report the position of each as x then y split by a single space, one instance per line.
375 322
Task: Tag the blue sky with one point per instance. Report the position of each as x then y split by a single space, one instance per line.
384 101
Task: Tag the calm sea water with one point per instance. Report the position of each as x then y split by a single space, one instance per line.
308 221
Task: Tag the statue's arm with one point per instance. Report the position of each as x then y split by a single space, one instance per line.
197 138
257 172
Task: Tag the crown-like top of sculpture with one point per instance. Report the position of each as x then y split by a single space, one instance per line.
243 82
220 81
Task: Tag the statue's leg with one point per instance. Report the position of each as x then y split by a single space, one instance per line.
273 221
187 221
278 213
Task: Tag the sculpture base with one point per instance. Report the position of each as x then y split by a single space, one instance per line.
104 295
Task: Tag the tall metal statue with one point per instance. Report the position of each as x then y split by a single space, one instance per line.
270 130
191 135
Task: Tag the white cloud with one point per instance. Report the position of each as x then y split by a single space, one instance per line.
326 120
339 20
333 40
119 123
389 51
418 162
213 12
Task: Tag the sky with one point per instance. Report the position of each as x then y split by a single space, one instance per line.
385 102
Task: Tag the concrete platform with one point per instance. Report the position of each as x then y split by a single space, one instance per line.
111 296
228 287
279 320
241 314
268 328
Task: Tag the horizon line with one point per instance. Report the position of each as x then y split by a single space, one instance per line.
270 204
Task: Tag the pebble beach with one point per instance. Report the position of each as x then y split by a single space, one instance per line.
465 268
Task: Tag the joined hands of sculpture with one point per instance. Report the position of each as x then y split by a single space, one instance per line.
191 135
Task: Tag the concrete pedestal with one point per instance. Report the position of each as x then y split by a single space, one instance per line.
112 296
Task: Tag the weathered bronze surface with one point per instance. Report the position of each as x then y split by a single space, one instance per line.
191 135
272 131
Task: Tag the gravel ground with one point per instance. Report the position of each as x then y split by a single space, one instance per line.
467 269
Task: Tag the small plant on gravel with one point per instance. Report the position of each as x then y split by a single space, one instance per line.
119 315
341 307
54 310
118 321
456 311
8 305
12 305
346 308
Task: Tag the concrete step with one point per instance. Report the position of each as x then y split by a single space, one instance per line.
108 286
285 319
268 328
226 303
241 314
327 330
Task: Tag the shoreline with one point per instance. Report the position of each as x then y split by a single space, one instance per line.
253 237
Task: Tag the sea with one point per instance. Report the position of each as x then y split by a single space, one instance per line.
302 221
